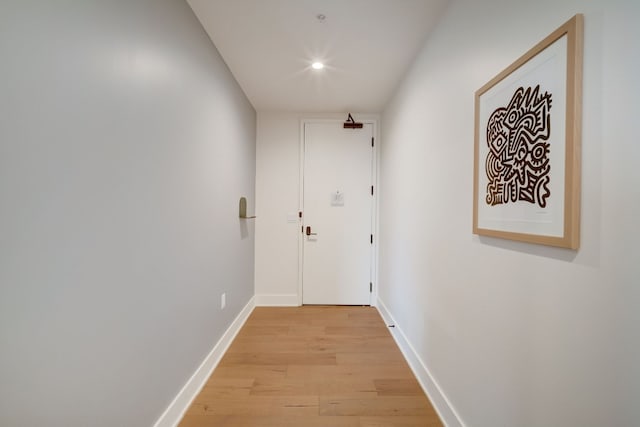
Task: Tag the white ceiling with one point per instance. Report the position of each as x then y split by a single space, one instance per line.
367 46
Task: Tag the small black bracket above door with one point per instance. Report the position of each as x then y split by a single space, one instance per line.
352 124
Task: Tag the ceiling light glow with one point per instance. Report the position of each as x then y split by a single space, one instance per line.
317 65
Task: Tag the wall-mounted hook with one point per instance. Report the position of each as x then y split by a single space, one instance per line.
243 209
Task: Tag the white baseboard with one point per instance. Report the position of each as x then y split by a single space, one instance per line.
443 407
174 413
277 300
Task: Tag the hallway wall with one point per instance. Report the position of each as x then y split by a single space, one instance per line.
516 334
125 144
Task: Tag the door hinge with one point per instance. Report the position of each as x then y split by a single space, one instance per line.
372 239
370 287
372 141
372 190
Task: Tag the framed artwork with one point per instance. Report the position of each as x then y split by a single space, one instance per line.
527 145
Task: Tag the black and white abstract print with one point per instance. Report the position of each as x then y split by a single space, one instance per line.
517 163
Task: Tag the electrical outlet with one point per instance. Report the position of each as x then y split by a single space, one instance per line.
223 301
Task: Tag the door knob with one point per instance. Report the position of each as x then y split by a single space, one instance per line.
309 233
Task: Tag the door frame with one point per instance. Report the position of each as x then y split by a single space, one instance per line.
374 211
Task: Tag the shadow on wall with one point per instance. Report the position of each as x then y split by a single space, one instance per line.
560 254
244 229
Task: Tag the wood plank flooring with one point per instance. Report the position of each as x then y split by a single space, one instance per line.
312 366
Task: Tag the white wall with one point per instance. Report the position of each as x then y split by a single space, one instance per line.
516 334
125 144
277 197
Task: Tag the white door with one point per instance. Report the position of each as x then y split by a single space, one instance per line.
337 214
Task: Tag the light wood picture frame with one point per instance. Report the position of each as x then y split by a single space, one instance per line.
527 144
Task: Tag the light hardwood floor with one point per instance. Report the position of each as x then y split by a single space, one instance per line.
312 366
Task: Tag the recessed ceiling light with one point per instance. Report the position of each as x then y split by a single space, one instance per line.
317 65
